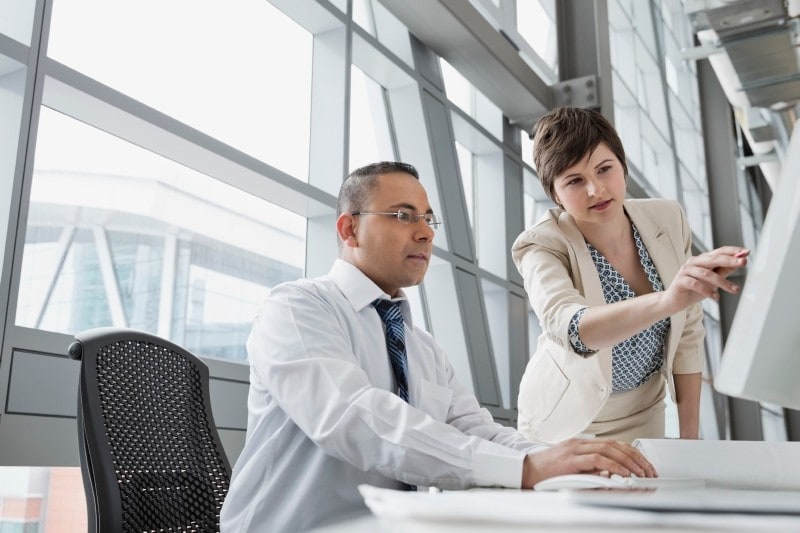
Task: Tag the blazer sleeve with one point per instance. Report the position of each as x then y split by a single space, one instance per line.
542 257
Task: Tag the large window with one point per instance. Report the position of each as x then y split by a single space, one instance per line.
223 74
16 19
118 236
12 86
172 162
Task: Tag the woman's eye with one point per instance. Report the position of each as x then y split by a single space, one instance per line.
605 169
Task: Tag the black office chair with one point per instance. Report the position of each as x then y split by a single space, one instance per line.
151 457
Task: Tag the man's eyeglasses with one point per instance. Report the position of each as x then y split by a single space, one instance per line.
405 217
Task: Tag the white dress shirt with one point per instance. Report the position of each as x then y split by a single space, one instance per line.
323 417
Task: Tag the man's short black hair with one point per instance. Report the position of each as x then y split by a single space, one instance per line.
358 186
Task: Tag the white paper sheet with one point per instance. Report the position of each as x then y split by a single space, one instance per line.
486 509
727 463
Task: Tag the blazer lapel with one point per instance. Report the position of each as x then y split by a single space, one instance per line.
666 255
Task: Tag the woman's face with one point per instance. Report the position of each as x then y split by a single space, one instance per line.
593 189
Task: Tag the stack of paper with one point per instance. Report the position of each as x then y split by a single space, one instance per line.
727 463
509 510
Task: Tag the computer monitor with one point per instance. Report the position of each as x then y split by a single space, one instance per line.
761 359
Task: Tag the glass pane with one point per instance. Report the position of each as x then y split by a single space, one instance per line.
413 145
643 22
650 93
16 19
496 299
457 87
536 24
488 115
773 423
118 236
471 101
370 138
481 169
414 295
445 318
340 4
626 121
622 42
362 15
527 147
695 202
381 24
713 406
657 163
490 217
467 179
748 229
12 89
536 202
688 141
220 77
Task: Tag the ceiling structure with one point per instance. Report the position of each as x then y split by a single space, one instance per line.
752 45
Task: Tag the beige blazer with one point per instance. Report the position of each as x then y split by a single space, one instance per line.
562 392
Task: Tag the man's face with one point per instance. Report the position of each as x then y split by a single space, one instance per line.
391 253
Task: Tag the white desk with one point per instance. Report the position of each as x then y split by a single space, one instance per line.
482 510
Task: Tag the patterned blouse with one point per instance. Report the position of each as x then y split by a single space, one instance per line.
634 360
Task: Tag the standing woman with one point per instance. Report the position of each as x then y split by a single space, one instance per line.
616 291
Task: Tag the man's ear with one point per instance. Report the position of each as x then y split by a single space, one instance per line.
346 229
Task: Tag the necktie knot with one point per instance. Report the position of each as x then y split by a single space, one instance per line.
388 310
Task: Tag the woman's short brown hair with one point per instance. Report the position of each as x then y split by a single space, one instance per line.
566 135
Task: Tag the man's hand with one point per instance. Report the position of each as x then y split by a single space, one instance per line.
592 456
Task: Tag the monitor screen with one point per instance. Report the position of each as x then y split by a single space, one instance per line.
761 358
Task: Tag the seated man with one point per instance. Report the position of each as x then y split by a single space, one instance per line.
343 393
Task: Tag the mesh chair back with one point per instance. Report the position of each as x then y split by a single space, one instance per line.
150 453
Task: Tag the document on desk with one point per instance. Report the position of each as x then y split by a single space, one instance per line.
727 463
510 509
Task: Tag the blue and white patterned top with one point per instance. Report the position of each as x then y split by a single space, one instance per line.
634 360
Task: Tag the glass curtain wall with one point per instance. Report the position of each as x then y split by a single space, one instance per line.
166 184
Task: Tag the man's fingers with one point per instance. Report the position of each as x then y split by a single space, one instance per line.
617 458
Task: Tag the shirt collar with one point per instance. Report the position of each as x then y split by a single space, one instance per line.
361 291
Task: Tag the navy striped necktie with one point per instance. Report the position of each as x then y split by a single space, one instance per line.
395 342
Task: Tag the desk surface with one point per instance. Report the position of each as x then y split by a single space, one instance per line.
513 510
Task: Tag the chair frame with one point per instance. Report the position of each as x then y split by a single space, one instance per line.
101 485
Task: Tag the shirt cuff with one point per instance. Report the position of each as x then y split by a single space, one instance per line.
497 466
574 337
